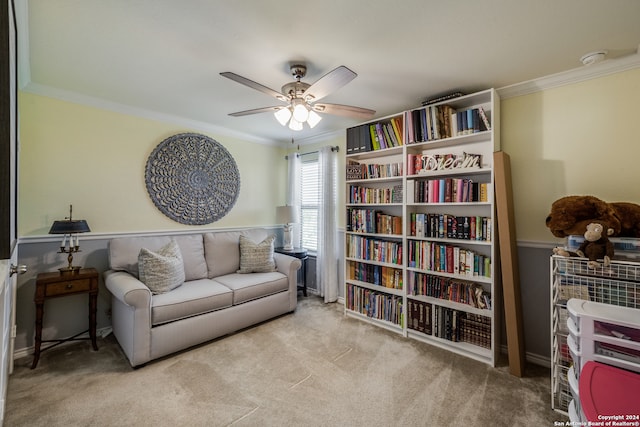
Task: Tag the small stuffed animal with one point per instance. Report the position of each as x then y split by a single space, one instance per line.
596 246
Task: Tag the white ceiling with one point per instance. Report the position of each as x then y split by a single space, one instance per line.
165 56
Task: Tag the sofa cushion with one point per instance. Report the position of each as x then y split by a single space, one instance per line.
192 248
124 251
256 257
192 298
162 270
222 252
247 287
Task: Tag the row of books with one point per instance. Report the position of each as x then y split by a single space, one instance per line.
476 330
460 326
447 190
375 136
448 226
424 163
375 305
373 221
360 194
448 323
443 121
357 170
369 249
387 277
444 258
447 288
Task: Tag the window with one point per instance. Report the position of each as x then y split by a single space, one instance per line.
309 203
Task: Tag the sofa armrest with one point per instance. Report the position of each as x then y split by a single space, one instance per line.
126 288
130 315
289 266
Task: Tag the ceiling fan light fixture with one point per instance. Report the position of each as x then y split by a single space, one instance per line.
283 115
300 111
313 119
294 124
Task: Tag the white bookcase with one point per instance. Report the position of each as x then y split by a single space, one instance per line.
446 242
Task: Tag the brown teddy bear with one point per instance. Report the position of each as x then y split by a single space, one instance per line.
596 246
570 215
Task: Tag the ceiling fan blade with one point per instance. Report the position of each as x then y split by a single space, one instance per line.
256 111
344 110
253 85
329 83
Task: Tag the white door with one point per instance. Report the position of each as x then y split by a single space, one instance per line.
7 329
8 193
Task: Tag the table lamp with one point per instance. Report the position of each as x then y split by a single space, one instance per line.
287 215
71 228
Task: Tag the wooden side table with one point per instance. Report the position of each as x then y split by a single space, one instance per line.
301 254
53 285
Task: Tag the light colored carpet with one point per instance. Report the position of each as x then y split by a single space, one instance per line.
315 367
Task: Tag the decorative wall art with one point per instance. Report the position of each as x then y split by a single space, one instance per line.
192 179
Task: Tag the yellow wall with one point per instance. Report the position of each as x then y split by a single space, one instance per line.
575 139
578 139
95 160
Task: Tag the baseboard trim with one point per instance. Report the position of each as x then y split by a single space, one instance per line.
533 358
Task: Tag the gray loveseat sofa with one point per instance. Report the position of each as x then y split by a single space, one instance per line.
213 301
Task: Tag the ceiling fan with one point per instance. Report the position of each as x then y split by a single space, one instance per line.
301 97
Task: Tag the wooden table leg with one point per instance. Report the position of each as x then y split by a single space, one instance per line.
38 340
93 308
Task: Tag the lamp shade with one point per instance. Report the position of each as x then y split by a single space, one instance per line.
69 227
287 214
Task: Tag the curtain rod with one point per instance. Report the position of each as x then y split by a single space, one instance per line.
334 148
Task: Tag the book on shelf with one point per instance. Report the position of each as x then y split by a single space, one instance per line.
375 305
358 194
450 226
387 277
419 316
459 326
375 136
442 98
373 249
448 190
373 221
435 122
355 170
448 288
432 256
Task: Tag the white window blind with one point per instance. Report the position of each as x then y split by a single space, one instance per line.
309 201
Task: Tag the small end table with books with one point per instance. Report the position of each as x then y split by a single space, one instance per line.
301 254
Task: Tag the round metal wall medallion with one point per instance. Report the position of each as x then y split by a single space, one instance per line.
192 179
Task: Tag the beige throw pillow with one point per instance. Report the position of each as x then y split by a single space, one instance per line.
163 270
256 257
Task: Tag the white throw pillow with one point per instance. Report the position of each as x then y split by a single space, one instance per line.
163 270
256 257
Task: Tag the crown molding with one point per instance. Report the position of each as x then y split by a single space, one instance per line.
588 72
103 104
